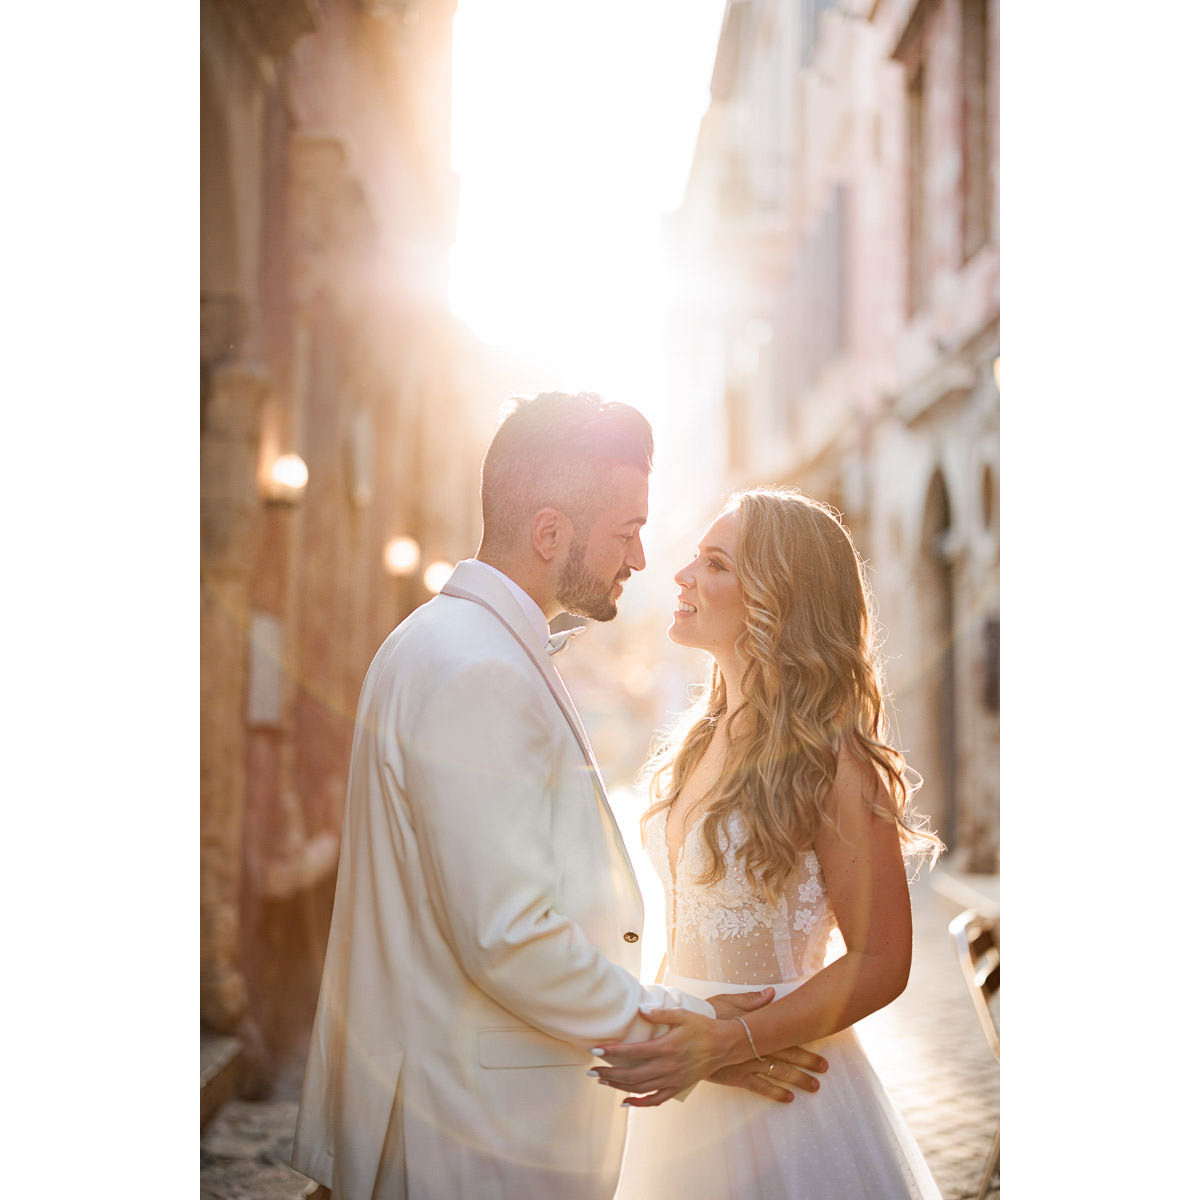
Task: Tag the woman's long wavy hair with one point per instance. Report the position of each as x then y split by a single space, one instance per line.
813 683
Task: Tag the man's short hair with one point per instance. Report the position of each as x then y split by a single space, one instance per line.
558 451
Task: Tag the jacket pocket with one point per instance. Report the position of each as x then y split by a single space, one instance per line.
501 1049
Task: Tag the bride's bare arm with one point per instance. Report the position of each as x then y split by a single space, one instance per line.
867 889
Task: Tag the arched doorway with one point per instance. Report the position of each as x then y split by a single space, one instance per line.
935 596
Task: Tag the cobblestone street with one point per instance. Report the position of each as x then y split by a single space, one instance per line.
930 1052
927 1047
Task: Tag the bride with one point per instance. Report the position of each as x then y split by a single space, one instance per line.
779 815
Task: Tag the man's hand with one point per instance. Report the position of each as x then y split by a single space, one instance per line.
789 1067
732 1004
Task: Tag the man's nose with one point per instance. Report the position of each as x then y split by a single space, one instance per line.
636 560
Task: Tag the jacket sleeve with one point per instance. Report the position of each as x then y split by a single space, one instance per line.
478 763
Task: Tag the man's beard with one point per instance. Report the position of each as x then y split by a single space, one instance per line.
582 593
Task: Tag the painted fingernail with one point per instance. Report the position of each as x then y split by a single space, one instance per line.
597 1052
594 1072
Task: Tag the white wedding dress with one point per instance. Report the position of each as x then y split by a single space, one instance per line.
846 1142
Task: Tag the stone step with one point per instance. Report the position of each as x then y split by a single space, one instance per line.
220 1058
245 1153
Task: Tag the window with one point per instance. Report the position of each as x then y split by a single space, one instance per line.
976 142
991 663
822 296
918 254
810 28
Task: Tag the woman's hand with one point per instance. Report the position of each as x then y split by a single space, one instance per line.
788 1066
661 1067
692 1049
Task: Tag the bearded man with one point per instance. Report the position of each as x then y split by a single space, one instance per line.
487 920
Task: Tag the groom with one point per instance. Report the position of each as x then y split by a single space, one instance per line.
487 922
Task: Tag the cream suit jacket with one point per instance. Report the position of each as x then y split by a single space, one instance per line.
486 928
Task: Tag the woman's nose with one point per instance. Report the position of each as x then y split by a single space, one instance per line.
683 576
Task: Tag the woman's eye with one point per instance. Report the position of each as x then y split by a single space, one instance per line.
712 562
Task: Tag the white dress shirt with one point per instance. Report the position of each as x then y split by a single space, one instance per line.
531 609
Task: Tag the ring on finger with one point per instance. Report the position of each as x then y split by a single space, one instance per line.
770 1068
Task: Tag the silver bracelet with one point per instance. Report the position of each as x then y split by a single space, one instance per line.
750 1040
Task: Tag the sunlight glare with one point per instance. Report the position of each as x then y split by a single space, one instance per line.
573 130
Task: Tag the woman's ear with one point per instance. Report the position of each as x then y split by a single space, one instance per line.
550 534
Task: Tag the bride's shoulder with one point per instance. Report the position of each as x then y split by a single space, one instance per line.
856 784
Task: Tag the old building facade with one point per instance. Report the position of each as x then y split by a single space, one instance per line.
342 409
839 331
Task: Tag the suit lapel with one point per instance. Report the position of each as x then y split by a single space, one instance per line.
469 582
474 583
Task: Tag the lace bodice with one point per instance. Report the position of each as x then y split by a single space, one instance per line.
727 930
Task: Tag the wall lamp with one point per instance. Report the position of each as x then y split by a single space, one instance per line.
287 480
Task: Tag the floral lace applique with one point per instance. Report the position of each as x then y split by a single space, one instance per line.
728 930
811 905
729 908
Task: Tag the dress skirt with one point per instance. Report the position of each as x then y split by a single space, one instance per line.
846 1142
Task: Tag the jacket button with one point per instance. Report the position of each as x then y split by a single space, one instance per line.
631 936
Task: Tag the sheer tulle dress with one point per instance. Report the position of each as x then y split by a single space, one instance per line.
846 1142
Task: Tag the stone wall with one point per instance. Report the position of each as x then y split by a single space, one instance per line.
327 212
856 355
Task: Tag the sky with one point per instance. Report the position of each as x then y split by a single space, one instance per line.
574 124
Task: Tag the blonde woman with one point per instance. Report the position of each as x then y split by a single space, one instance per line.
778 815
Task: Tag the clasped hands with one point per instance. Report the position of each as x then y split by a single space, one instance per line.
697 1048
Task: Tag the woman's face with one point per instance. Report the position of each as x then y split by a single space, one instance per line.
711 613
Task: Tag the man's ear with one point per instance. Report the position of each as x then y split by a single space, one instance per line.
550 534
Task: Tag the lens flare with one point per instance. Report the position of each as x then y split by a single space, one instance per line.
401 556
436 575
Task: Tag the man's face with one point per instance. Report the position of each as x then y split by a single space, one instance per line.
595 568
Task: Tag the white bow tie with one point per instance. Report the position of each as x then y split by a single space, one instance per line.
560 641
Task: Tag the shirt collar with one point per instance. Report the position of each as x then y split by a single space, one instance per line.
533 613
